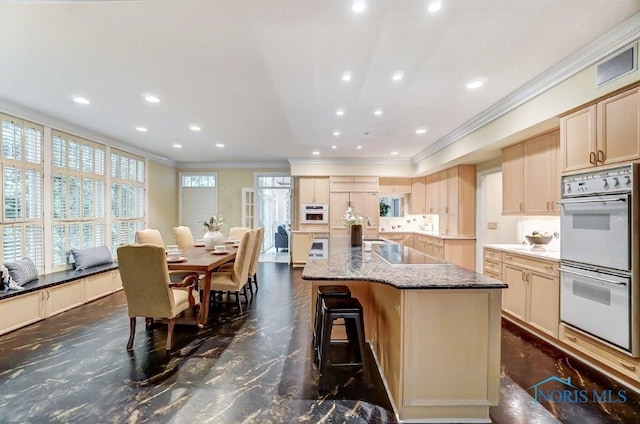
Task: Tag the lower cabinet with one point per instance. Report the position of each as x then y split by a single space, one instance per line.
301 243
458 251
405 239
21 310
99 285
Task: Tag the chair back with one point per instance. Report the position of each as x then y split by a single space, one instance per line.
243 258
145 279
149 236
257 248
237 232
184 238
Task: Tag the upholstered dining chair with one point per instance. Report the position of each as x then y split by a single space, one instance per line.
257 248
237 232
237 278
184 237
149 291
150 236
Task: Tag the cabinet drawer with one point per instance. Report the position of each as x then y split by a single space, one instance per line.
493 266
495 255
539 265
491 274
620 362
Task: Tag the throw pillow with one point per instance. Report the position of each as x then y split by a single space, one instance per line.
22 271
91 256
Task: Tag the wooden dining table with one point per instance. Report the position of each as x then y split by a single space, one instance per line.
203 261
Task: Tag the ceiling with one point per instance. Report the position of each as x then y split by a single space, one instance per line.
264 77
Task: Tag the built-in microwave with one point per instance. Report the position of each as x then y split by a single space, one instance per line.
314 213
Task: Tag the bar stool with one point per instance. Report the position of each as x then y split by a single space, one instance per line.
324 292
349 309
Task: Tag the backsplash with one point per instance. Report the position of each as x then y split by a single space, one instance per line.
409 223
542 224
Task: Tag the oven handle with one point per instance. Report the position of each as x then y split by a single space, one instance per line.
617 283
600 200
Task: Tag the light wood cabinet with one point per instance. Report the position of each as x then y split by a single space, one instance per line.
314 189
457 201
364 203
354 184
405 239
456 251
300 247
395 185
602 134
432 195
532 163
418 196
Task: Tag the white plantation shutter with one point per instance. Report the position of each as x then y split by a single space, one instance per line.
11 243
33 144
33 247
59 244
12 188
59 196
12 139
127 196
33 194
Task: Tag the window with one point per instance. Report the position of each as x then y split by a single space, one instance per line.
198 180
78 182
22 194
127 197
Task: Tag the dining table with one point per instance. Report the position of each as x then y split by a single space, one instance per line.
203 261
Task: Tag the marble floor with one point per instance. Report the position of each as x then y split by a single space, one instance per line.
275 255
250 368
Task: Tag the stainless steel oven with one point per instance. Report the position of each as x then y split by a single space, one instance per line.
599 255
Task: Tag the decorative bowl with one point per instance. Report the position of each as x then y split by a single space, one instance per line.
539 240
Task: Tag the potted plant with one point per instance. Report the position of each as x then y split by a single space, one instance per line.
212 236
354 220
384 208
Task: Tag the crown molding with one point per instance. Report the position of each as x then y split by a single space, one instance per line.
226 165
343 161
28 114
622 35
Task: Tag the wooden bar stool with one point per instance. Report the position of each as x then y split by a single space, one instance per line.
349 309
324 292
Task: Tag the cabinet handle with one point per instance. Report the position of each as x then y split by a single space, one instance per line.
627 366
521 207
528 277
523 277
592 158
553 205
571 338
600 157
508 258
548 208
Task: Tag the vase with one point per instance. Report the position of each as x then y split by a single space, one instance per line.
213 238
356 235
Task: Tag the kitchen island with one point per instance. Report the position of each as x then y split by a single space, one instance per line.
434 327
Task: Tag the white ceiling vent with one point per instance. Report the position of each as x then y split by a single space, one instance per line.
621 63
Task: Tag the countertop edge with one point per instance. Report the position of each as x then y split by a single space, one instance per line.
534 254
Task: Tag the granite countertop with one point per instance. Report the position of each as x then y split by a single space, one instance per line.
429 233
524 249
310 231
347 263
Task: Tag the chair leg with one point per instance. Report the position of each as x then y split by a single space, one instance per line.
172 323
250 287
132 332
255 280
197 312
148 323
238 301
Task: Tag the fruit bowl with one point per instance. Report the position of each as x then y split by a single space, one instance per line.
539 240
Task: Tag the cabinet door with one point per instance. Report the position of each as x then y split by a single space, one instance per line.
556 171
300 247
338 204
64 297
537 174
370 206
453 186
386 185
402 185
578 139
514 298
618 128
443 191
21 310
432 197
418 196
307 189
544 303
98 285
321 190
512 179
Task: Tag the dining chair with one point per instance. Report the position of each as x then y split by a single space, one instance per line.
257 248
150 236
149 291
237 278
184 237
237 232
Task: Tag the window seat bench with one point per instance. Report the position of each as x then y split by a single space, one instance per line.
56 292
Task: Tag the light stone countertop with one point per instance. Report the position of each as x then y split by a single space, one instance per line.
524 249
429 233
347 263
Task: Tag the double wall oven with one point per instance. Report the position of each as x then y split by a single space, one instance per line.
599 255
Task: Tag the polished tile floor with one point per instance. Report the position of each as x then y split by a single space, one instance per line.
250 368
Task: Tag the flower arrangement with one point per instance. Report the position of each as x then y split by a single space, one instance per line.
215 223
353 217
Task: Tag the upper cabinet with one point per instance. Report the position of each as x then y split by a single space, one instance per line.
418 203
360 184
532 163
395 185
457 200
314 190
601 134
365 203
432 194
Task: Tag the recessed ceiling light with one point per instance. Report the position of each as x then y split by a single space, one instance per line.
141 129
397 75
81 100
177 146
340 112
219 145
359 6
336 133
394 153
475 84
434 6
194 128
346 76
421 131
152 99
378 112
358 147
334 147
315 152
